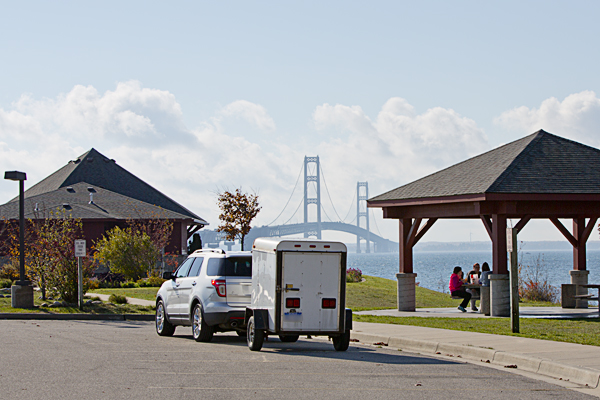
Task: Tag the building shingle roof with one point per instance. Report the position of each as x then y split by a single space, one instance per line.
119 193
541 163
75 200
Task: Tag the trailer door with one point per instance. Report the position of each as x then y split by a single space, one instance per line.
310 277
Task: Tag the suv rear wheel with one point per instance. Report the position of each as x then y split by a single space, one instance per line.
163 326
201 331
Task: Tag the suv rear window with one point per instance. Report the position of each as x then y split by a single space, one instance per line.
231 266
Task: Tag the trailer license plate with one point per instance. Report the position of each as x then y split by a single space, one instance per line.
292 316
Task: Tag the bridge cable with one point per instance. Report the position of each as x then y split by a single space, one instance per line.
351 206
351 222
375 221
328 195
325 212
288 202
297 208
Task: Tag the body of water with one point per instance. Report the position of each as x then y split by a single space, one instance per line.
433 268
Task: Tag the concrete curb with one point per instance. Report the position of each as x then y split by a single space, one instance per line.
84 317
580 375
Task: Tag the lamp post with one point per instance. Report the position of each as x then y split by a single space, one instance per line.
22 292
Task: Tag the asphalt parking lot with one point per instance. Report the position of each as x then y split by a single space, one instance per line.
127 360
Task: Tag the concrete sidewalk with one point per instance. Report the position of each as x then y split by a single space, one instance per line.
564 361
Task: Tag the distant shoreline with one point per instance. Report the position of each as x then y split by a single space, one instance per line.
527 246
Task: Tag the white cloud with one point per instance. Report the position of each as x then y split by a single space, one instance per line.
143 130
576 117
250 112
399 145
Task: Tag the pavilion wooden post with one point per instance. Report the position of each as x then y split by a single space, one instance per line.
406 300
580 274
499 283
499 244
406 251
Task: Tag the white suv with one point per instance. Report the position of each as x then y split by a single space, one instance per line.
209 291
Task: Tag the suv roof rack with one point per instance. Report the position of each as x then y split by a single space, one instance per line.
220 251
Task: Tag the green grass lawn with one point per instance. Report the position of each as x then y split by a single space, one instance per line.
581 331
104 308
146 293
379 293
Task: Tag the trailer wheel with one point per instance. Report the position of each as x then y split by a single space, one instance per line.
341 343
200 329
289 338
254 337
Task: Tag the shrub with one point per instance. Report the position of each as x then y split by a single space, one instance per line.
10 270
155 281
127 251
533 283
94 284
5 283
129 285
117 299
353 275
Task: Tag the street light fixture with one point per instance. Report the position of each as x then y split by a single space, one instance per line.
22 292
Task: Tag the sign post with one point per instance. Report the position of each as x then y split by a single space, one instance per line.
80 252
511 245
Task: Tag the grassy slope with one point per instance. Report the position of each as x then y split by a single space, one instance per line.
379 293
147 293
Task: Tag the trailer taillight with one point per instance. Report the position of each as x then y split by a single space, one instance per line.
328 303
291 302
219 284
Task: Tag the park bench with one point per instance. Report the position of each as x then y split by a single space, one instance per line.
482 294
569 295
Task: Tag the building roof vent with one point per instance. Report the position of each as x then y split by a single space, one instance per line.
67 206
70 189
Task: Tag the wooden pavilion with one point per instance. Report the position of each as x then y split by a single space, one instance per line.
539 176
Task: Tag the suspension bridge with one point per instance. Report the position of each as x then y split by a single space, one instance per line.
313 225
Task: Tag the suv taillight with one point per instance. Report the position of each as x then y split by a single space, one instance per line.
219 284
292 303
328 303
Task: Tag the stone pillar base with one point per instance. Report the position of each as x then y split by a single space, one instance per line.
499 295
580 278
406 291
21 296
484 300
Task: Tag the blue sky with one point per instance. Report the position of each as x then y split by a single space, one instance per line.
195 97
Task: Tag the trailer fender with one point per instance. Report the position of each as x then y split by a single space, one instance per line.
348 326
261 318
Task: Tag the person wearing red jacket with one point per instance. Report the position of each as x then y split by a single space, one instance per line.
457 289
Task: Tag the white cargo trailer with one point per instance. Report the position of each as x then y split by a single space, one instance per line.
298 288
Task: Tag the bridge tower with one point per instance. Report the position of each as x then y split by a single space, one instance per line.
315 195
362 195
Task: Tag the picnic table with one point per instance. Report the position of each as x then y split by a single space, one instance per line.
590 296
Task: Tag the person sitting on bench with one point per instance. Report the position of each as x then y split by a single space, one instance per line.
457 289
473 277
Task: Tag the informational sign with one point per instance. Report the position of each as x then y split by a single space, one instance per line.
80 248
509 240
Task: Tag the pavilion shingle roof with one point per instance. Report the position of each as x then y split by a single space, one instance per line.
119 194
541 163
